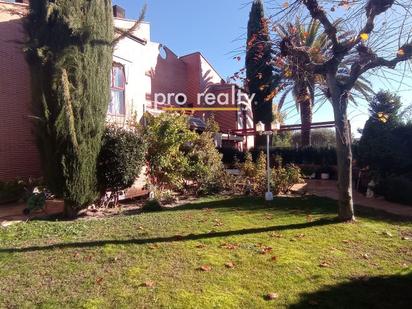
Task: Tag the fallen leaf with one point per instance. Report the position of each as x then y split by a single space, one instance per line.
300 236
324 264
271 296
406 238
205 268
366 256
265 250
201 246
386 233
99 280
276 235
229 246
346 241
230 265
274 258
148 284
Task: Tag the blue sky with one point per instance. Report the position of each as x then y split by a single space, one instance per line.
217 28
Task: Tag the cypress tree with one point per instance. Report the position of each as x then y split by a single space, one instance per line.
69 51
261 79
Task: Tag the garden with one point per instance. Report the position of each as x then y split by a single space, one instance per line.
205 233
217 252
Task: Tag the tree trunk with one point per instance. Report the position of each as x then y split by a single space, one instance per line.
304 99
306 119
70 211
344 156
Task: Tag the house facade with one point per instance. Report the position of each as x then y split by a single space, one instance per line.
142 70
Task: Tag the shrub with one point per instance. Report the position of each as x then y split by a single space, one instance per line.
169 139
164 196
283 178
121 159
206 167
11 191
253 176
152 205
180 159
398 189
313 156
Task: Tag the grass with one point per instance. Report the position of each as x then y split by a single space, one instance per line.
152 260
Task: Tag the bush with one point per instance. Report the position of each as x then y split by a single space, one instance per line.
152 205
206 167
398 189
283 178
169 139
253 176
180 159
121 159
11 191
308 156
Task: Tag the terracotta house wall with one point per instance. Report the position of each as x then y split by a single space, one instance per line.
148 70
170 75
18 152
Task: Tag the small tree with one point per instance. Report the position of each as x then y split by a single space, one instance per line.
363 58
205 165
69 51
379 148
120 161
168 137
261 79
180 158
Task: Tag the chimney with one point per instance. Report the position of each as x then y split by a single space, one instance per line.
118 11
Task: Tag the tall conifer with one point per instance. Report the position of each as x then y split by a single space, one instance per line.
261 79
69 51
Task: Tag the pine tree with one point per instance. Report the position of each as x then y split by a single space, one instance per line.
69 51
261 80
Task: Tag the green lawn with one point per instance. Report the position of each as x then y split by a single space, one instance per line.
291 247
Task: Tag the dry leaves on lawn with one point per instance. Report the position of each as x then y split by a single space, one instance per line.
205 268
229 246
148 284
324 264
271 296
265 250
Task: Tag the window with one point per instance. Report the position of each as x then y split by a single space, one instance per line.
118 85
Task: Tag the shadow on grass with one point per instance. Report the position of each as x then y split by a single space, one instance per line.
369 292
175 238
309 204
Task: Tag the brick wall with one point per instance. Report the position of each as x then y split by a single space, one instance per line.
18 152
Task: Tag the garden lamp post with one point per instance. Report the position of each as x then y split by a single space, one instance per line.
260 128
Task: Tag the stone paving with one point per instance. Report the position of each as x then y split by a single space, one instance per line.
328 188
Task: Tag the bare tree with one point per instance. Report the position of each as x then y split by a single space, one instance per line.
381 39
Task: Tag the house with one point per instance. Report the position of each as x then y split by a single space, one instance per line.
142 72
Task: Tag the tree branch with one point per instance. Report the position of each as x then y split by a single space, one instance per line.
317 12
357 70
133 28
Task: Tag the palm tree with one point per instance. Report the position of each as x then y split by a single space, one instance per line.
305 88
